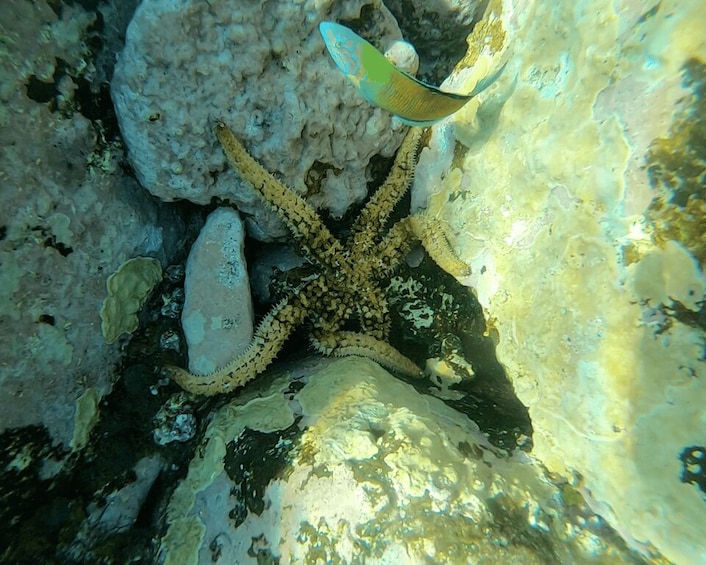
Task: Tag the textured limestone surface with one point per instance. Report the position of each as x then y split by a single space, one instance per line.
597 307
218 314
357 467
69 217
263 70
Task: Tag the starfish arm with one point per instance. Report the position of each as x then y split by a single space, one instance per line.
430 232
344 343
337 301
373 313
372 218
267 342
393 247
299 216
398 241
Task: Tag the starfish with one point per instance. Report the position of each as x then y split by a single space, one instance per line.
345 288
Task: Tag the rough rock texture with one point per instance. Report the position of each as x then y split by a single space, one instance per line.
373 472
218 312
69 218
595 294
263 69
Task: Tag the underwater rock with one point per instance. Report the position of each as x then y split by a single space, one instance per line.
545 191
403 55
69 217
437 29
218 313
174 421
263 70
118 510
340 462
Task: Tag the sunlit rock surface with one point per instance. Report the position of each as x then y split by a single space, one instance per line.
572 189
355 466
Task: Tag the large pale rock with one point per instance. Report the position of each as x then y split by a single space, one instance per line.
592 303
357 467
218 315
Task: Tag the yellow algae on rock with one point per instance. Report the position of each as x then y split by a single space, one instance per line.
128 288
548 206
85 418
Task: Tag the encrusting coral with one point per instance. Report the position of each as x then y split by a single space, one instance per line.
345 287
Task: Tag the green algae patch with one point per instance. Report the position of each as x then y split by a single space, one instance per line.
128 288
85 417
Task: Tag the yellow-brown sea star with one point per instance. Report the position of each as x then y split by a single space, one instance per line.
345 287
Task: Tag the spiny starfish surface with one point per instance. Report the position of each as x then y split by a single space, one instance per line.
346 287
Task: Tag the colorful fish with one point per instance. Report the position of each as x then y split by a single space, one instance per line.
382 84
